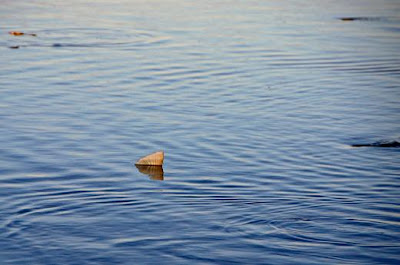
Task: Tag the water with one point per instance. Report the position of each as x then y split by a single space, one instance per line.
255 103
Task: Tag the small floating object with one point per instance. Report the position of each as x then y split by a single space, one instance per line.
348 18
14 47
154 172
154 159
379 144
358 18
16 33
19 33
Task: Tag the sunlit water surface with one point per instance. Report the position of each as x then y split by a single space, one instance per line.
255 103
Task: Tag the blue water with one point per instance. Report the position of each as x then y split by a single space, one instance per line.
256 104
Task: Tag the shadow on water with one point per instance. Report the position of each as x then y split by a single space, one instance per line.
154 172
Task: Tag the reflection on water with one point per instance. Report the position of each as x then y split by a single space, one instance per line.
80 37
154 172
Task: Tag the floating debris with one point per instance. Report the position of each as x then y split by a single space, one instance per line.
359 18
154 172
19 33
154 159
379 144
16 33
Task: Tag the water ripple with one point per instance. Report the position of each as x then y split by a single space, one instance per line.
256 106
90 38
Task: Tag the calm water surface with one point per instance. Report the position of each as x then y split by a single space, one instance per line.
255 103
